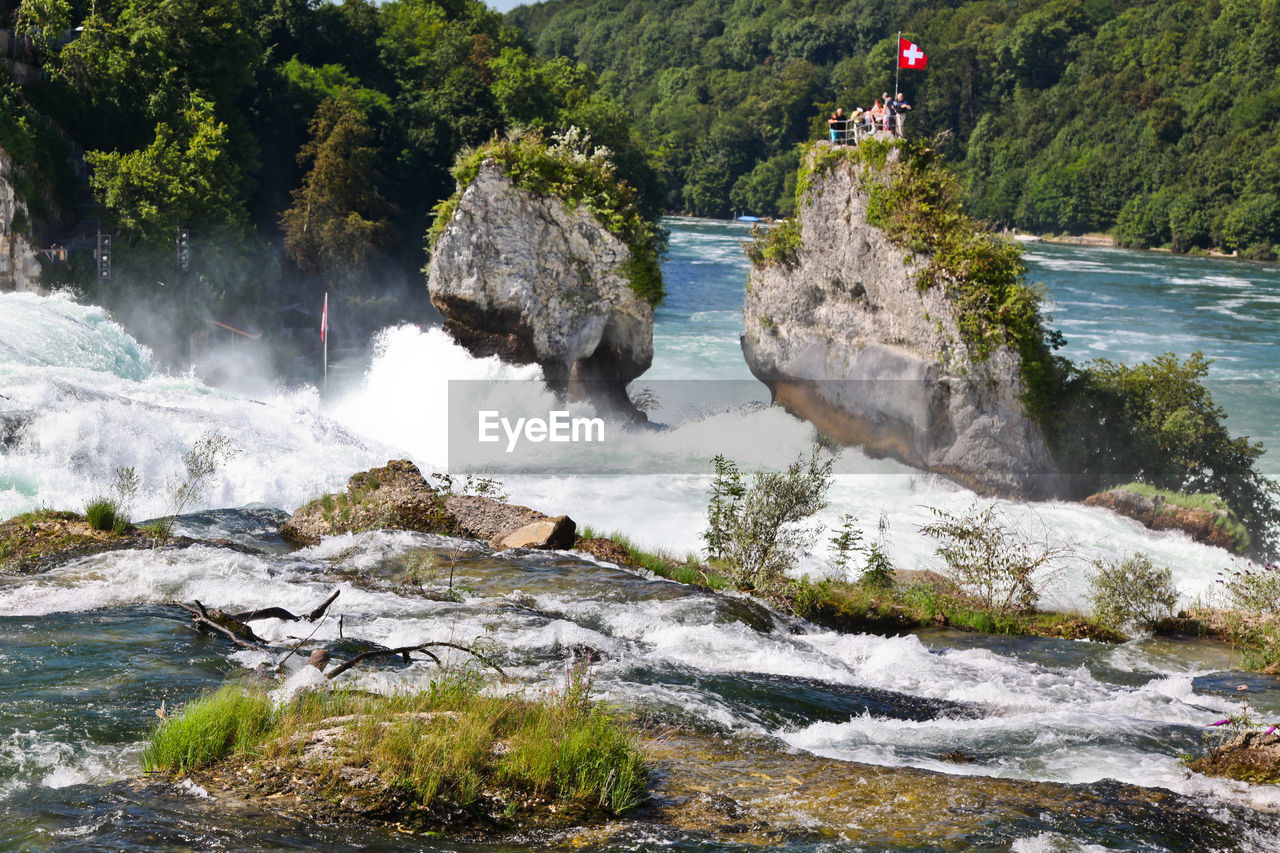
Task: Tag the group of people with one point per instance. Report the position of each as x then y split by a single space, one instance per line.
886 114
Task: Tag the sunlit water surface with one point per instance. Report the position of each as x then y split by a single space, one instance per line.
89 651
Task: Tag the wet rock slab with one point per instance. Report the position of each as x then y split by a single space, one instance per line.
397 497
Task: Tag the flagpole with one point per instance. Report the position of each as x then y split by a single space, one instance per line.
324 336
897 64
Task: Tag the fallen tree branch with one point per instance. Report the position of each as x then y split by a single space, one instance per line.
281 613
206 621
404 650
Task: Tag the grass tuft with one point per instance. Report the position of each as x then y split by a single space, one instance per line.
235 719
448 746
101 513
689 570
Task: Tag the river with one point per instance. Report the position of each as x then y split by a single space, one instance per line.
88 652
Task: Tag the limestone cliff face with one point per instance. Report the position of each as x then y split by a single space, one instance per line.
845 339
533 281
19 269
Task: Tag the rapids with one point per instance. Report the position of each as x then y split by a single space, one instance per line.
89 651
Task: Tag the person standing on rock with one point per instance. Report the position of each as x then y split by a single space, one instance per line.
838 125
900 108
878 115
857 124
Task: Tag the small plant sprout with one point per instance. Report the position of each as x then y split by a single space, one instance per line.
125 491
200 463
846 542
878 571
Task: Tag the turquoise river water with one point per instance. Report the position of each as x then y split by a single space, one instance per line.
90 650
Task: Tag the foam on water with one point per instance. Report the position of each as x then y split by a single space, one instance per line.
98 404
54 759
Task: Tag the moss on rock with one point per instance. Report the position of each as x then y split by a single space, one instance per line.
37 541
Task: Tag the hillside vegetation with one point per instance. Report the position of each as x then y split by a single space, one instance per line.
301 145
1157 119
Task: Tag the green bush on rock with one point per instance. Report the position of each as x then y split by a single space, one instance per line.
991 558
450 746
1132 591
569 168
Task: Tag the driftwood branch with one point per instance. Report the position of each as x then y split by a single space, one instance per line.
209 621
405 650
233 628
281 613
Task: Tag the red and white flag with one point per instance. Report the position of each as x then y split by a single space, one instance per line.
910 56
324 318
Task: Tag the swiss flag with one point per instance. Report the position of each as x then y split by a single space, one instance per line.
324 318
910 56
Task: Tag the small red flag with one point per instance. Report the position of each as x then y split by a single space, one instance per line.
324 317
910 56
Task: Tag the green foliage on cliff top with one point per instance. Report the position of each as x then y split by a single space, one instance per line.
570 168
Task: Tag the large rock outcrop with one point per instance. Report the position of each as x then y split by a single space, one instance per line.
19 269
1211 523
532 280
844 338
397 497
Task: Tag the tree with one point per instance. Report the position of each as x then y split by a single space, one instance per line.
762 529
44 21
186 176
338 221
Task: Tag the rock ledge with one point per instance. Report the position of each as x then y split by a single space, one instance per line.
397 497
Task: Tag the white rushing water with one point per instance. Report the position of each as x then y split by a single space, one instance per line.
98 404
79 398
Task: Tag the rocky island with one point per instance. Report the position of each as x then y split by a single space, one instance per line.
855 325
541 257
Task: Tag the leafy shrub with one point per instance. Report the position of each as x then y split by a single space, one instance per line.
727 492
762 529
1253 588
776 246
1157 423
1132 591
991 559
571 169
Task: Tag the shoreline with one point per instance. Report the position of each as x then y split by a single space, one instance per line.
1108 241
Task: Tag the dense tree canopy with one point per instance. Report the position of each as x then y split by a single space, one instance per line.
326 129
1158 119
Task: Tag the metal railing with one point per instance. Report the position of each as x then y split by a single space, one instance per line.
852 131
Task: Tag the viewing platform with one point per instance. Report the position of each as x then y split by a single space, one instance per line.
852 132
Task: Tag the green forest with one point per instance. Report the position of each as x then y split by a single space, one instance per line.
299 145
1156 120
258 152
